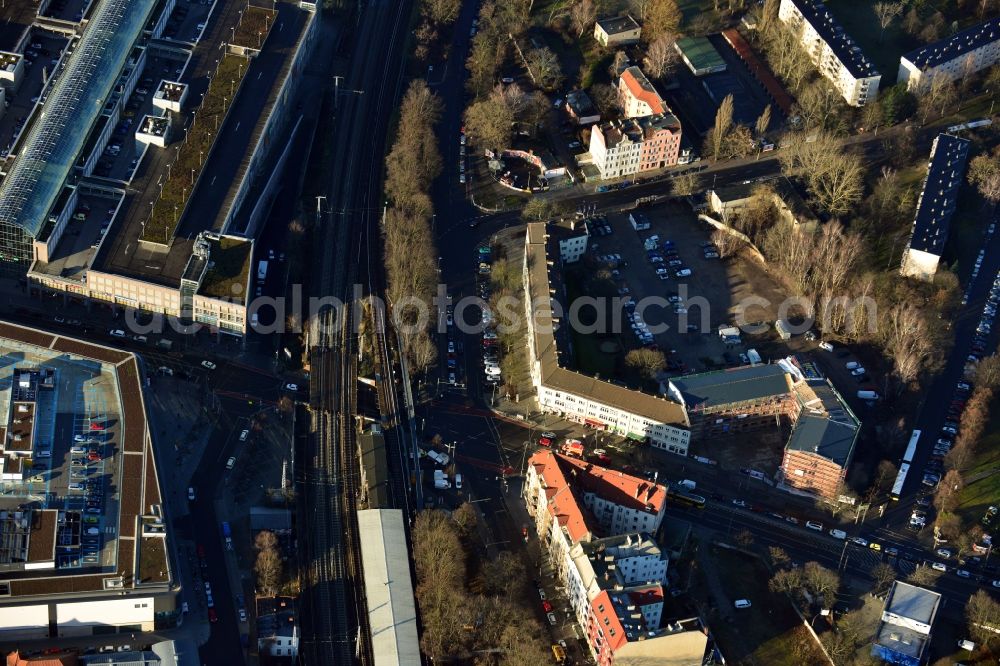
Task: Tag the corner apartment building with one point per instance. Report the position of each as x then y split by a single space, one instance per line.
838 58
904 631
614 583
638 96
594 402
936 205
627 629
614 562
633 145
964 53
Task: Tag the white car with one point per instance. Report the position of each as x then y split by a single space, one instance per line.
190 494
813 525
962 573
858 371
826 346
451 378
742 603
208 365
851 365
860 541
943 552
541 594
292 387
552 619
231 462
243 435
938 566
117 333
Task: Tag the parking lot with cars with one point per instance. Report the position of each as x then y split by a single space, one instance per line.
674 260
187 22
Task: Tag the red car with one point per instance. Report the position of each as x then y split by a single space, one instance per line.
212 617
547 607
544 441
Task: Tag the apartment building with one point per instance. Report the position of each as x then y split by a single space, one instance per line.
612 562
904 631
936 205
837 57
955 57
594 402
637 95
626 629
633 145
617 31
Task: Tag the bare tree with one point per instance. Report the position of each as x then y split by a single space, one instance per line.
441 11
912 23
647 362
779 558
265 540
606 99
820 580
834 178
984 174
488 123
268 569
582 16
923 575
982 612
886 13
544 67
723 123
661 56
786 581
640 7
662 17
883 574
763 122
685 185
908 341
618 64
728 244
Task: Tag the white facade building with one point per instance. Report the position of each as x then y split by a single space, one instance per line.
614 152
588 400
955 57
838 58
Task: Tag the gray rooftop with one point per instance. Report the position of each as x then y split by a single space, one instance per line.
830 30
938 199
392 615
949 48
744 384
912 602
617 24
830 439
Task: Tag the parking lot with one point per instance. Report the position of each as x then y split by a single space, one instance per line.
187 22
74 467
699 302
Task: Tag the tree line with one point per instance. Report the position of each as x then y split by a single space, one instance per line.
410 253
472 608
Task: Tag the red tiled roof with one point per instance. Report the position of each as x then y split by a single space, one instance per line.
560 472
644 92
608 621
62 659
614 486
562 504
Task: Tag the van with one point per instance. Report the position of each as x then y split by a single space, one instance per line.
838 534
867 395
438 457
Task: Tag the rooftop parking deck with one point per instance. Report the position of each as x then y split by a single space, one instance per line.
106 407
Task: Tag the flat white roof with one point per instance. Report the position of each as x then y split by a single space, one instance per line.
385 560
